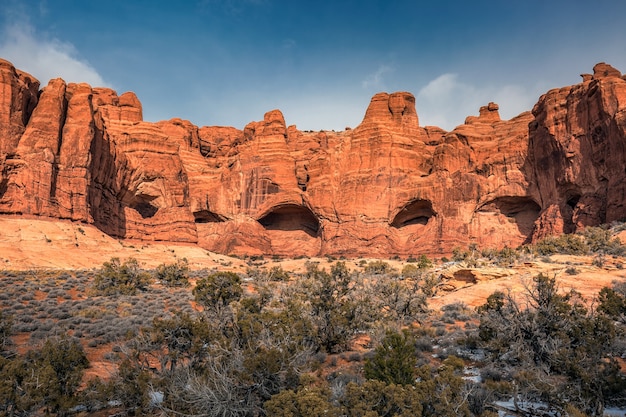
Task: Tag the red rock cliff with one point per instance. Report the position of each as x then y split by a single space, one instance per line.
387 187
577 153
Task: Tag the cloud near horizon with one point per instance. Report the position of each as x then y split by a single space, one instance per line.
376 79
446 101
45 58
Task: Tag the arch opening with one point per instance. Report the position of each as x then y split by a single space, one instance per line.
572 197
573 201
291 217
416 212
523 211
144 207
206 216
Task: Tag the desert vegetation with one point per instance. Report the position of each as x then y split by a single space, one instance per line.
329 341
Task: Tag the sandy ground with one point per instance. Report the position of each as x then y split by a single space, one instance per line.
35 243
27 244
588 281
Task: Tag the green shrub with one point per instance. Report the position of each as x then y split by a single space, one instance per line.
375 398
338 306
115 278
424 263
612 303
277 273
175 274
306 402
553 346
411 271
601 241
506 256
378 268
394 361
459 255
592 240
6 329
218 290
58 371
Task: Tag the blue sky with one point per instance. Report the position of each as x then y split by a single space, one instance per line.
227 62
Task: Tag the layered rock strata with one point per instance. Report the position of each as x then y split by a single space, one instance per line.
387 187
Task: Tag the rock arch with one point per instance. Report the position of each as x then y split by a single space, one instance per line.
291 217
293 230
522 211
143 205
417 211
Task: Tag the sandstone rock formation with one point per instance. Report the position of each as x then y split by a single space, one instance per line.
387 187
577 154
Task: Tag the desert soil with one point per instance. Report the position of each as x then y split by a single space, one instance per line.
33 243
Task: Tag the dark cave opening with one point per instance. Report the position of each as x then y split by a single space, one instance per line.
415 212
573 201
206 216
290 218
144 207
524 211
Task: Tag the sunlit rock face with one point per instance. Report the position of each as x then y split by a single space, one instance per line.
387 187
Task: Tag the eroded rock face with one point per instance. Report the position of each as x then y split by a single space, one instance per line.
577 153
18 97
387 187
85 155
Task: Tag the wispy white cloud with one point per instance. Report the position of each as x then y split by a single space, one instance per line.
289 43
45 58
43 7
376 79
446 101
515 99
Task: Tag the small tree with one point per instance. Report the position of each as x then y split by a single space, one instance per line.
557 351
612 303
446 393
277 273
404 300
180 338
56 373
424 263
375 398
13 398
394 361
338 307
217 291
378 268
116 278
131 386
12 372
6 329
175 274
306 402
